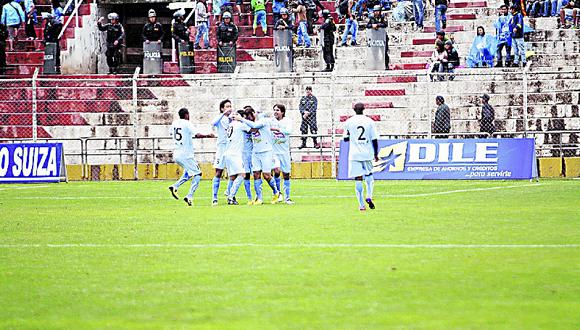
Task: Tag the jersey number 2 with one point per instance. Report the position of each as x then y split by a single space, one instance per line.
362 133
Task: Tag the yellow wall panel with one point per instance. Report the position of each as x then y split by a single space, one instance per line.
550 167
572 165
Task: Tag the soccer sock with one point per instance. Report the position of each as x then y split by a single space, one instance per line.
287 189
194 185
359 193
258 188
370 183
277 179
272 184
248 188
181 180
215 187
235 186
230 183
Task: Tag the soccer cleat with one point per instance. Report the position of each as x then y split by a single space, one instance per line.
187 201
371 204
275 198
232 201
289 202
173 192
280 198
258 202
250 202
362 209
214 202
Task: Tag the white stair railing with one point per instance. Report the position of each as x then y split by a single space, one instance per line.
75 15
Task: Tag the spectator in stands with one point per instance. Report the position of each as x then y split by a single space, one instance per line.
312 14
328 41
227 33
3 37
216 10
259 9
303 38
13 17
277 7
418 12
442 123
535 8
52 29
556 6
239 4
439 60
57 11
378 21
517 27
114 39
351 26
226 5
30 11
503 36
440 10
569 13
440 36
307 108
482 51
452 58
153 30
487 116
179 30
201 24
403 12
284 22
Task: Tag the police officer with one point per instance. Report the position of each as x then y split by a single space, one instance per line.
153 30
115 34
378 21
52 29
179 30
227 33
327 48
284 22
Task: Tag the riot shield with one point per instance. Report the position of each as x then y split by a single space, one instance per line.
226 59
186 58
376 44
50 53
283 52
152 58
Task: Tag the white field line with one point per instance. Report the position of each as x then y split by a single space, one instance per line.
23 187
197 197
298 246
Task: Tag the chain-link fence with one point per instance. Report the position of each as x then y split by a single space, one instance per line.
126 120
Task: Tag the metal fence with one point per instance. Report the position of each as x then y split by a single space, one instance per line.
126 119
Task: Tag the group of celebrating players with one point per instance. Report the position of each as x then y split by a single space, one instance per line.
252 142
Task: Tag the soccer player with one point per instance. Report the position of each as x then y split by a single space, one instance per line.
261 154
183 132
247 158
234 154
363 148
281 129
220 123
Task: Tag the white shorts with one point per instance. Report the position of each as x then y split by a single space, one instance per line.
282 161
247 158
359 168
189 165
218 163
234 164
262 161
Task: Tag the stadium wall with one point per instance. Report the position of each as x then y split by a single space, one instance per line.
549 167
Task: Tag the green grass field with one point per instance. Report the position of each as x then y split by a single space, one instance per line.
434 254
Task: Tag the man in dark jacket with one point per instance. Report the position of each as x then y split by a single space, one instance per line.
52 29
327 48
115 34
518 44
179 30
487 116
284 22
3 37
378 21
153 30
308 106
227 33
442 124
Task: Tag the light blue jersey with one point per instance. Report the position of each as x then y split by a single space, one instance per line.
282 137
221 124
262 138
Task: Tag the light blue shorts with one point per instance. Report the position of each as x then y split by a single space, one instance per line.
359 168
262 161
282 161
247 158
189 165
219 162
234 164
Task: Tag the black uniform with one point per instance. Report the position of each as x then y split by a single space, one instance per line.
3 37
227 33
51 31
327 49
114 33
310 104
287 23
442 122
180 32
487 117
153 32
382 23
311 14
